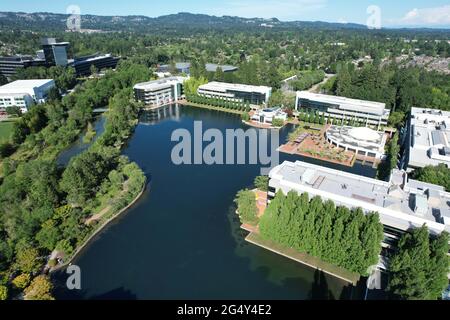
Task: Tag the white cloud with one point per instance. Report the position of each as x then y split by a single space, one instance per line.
427 16
282 9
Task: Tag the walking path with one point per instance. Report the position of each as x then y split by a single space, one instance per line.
315 88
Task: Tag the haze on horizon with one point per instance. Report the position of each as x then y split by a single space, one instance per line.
412 13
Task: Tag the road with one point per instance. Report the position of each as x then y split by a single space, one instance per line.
315 88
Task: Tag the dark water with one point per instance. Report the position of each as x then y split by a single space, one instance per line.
182 239
79 146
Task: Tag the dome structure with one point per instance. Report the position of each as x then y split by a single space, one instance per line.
364 133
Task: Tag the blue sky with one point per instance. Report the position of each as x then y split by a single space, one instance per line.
430 13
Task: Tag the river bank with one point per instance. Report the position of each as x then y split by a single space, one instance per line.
99 229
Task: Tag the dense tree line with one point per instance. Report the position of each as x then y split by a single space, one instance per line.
307 79
400 88
219 102
392 153
347 238
43 207
419 268
439 175
65 78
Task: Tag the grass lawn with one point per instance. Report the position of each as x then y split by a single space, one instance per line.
5 130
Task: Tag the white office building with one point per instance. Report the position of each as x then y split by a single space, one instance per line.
254 95
428 139
160 92
24 93
402 203
266 116
361 140
369 112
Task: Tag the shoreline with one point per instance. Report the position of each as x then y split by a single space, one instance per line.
203 106
80 249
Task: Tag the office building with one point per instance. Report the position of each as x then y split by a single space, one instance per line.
266 116
160 92
185 67
372 113
427 141
24 93
9 66
83 65
55 52
363 141
254 95
401 203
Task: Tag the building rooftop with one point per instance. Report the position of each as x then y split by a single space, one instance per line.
402 203
211 67
160 83
23 85
224 87
430 137
358 137
348 104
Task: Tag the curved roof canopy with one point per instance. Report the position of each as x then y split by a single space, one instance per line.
363 133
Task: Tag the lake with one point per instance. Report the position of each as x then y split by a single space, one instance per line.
182 239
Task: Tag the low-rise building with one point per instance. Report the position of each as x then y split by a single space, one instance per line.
83 65
266 116
402 204
427 141
369 112
160 92
254 95
361 140
24 93
185 67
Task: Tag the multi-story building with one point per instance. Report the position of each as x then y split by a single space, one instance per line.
254 95
9 66
402 204
185 67
55 52
427 141
372 113
83 65
24 93
160 92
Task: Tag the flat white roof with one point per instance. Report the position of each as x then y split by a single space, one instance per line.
20 86
223 87
160 83
392 200
430 133
344 103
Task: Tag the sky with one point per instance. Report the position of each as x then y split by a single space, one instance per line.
387 13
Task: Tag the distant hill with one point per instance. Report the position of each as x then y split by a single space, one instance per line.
189 21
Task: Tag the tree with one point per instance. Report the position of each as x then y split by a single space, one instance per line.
262 183
3 80
3 292
219 75
22 281
420 266
246 202
27 260
14 111
439 175
40 289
